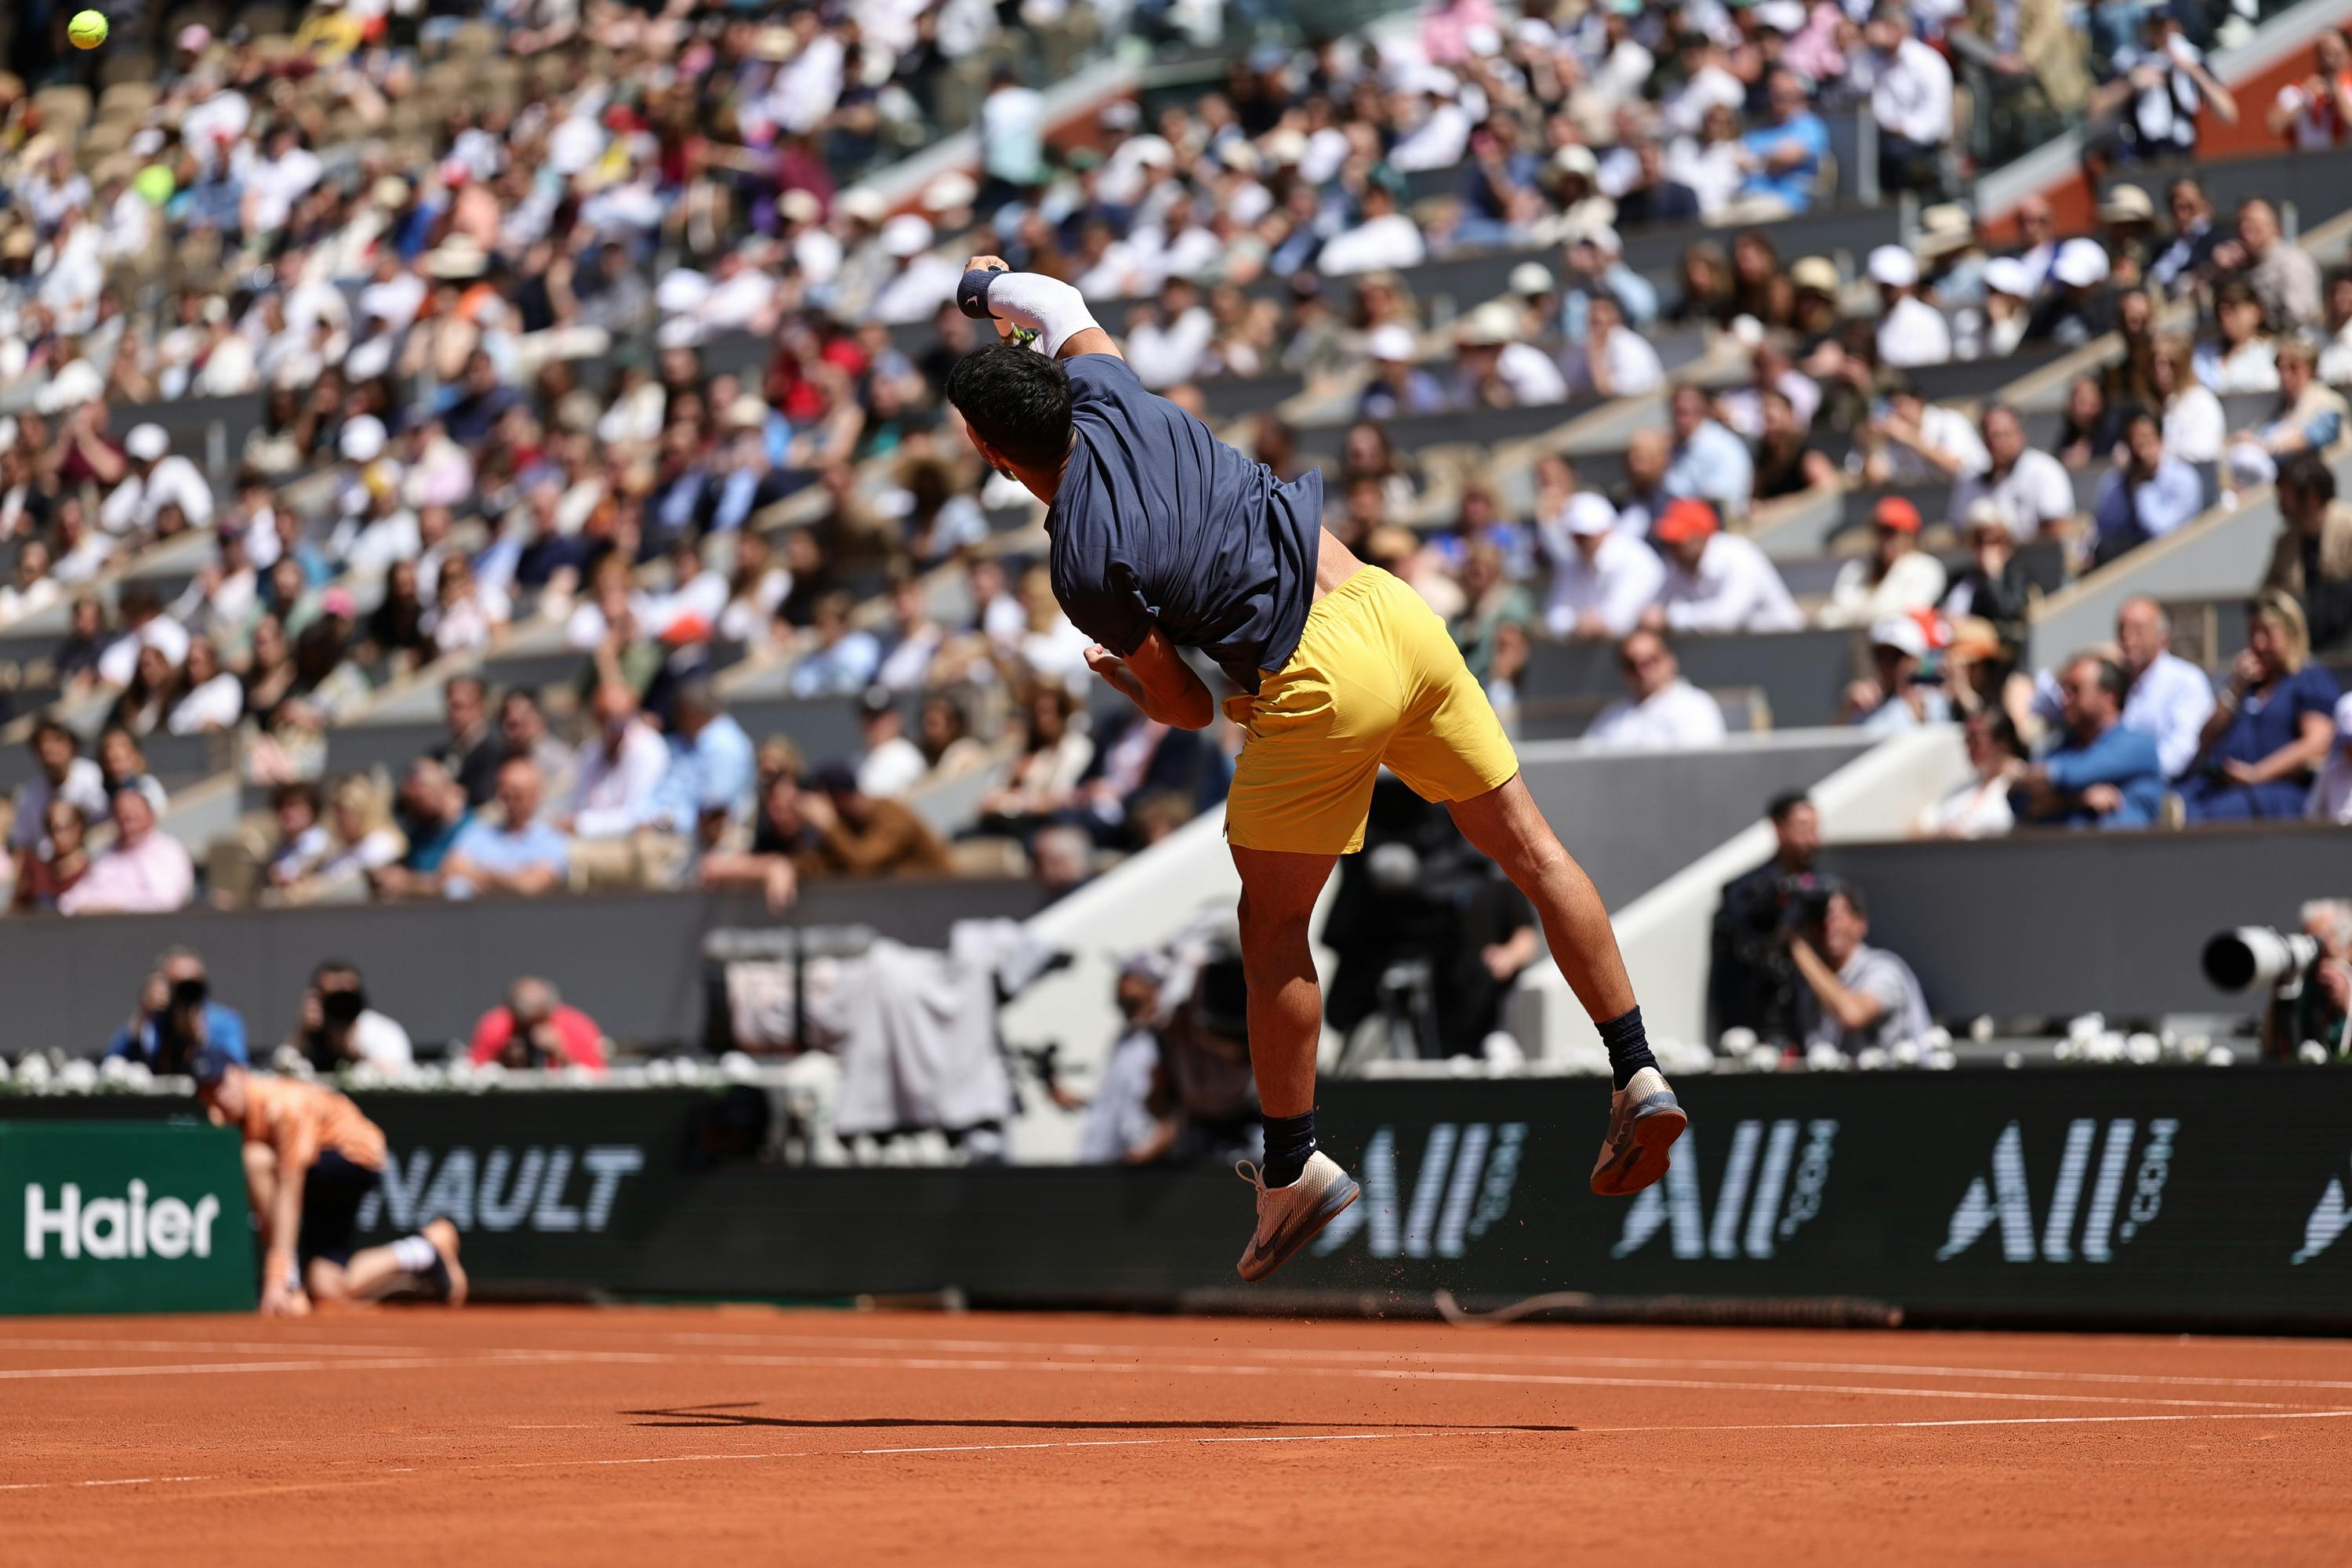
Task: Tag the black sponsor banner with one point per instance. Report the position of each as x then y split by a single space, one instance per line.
2189 1196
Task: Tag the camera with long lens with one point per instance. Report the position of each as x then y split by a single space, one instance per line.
2250 956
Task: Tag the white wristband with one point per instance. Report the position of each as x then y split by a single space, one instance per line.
1047 306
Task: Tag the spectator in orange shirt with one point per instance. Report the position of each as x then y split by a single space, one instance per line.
536 1029
311 1159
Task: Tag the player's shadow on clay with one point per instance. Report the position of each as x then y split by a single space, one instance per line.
737 1416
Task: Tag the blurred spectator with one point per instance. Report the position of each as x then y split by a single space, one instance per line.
2162 85
522 729
472 749
1707 461
1896 578
2091 431
2243 357
2032 487
710 768
1979 808
176 1019
60 773
783 842
1053 756
1911 100
2331 791
2082 305
1715 582
889 765
1784 155
1916 442
2314 112
2315 1012
2148 497
1911 331
1787 464
335 1027
1855 996
206 696
1750 981
2309 417
1642 500
155 479
2169 698
359 842
2272 727
1140 761
1061 860
2194 426
516 854
1494 370
2283 277
144 625
302 839
537 1031
56 862
1997 328
943 735
1396 388
1121 1127
1603 576
1994 587
1894 698
2184 262
841 659
860 835
431 815
1660 709
1492 602
144 871
2312 558
2098 772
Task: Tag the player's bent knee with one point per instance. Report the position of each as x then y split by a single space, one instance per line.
260 1159
327 1282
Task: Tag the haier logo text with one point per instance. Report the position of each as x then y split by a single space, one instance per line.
1791 1160
1462 1187
2124 1198
127 1226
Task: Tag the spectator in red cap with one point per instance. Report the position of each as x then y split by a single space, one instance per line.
1895 578
1715 582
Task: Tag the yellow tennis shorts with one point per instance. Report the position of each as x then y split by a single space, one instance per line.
1376 679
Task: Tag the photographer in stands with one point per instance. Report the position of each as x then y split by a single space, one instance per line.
1855 996
176 1019
1751 981
336 1028
536 1029
2312 1003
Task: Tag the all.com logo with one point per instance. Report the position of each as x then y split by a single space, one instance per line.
1461 1189
1772 1183
2123 1198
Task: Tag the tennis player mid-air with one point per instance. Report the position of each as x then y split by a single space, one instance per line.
1164 538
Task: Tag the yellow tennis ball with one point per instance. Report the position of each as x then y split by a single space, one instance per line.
88 29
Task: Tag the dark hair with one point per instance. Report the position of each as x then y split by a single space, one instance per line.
1782 804
48 727
1016 400
300 790
2111 677
2307 473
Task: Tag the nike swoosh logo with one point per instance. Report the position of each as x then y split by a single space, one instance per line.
1259 1253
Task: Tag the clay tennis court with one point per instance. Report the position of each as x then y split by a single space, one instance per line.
626 1435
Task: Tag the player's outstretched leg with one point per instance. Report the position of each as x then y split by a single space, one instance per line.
1299 1188
1645 1118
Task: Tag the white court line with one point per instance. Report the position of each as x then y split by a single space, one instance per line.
1704 1363
1979 1421
109 1481
190 1347
947 1363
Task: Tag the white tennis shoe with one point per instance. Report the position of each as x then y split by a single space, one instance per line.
1289 1217
1644 1119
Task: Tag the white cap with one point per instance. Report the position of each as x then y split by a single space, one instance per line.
681 292
1900 632
2081 263
907 235
146 442
1590 513
1576 159
1600 236
1491 325
363 440
1989 511
1393 344
1532 278
1893 266
1153 152
2007 275
865 206
679 333
800 205
951 190
1782 16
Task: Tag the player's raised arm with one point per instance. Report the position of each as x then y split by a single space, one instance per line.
1046 306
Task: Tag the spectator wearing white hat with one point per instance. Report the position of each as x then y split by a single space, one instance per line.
1911 331
1494 370
1911 100
2080 306
157 477
2030 487
1614 359
1602 578
1398 387
1660 709
1995 328
1891 700
922 280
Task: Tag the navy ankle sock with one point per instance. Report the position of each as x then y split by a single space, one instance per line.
1629 1049
1288 1141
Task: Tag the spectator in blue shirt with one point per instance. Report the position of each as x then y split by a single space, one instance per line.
712 764
2099 774
518 854
1784 157
2152 494
432 817
1708 460
1594 263
2272 726
177 1018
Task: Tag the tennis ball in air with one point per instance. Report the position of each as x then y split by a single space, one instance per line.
88 29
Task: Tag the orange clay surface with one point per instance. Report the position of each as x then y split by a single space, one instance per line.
685 1437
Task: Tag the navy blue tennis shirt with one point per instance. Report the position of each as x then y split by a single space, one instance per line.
1157 522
